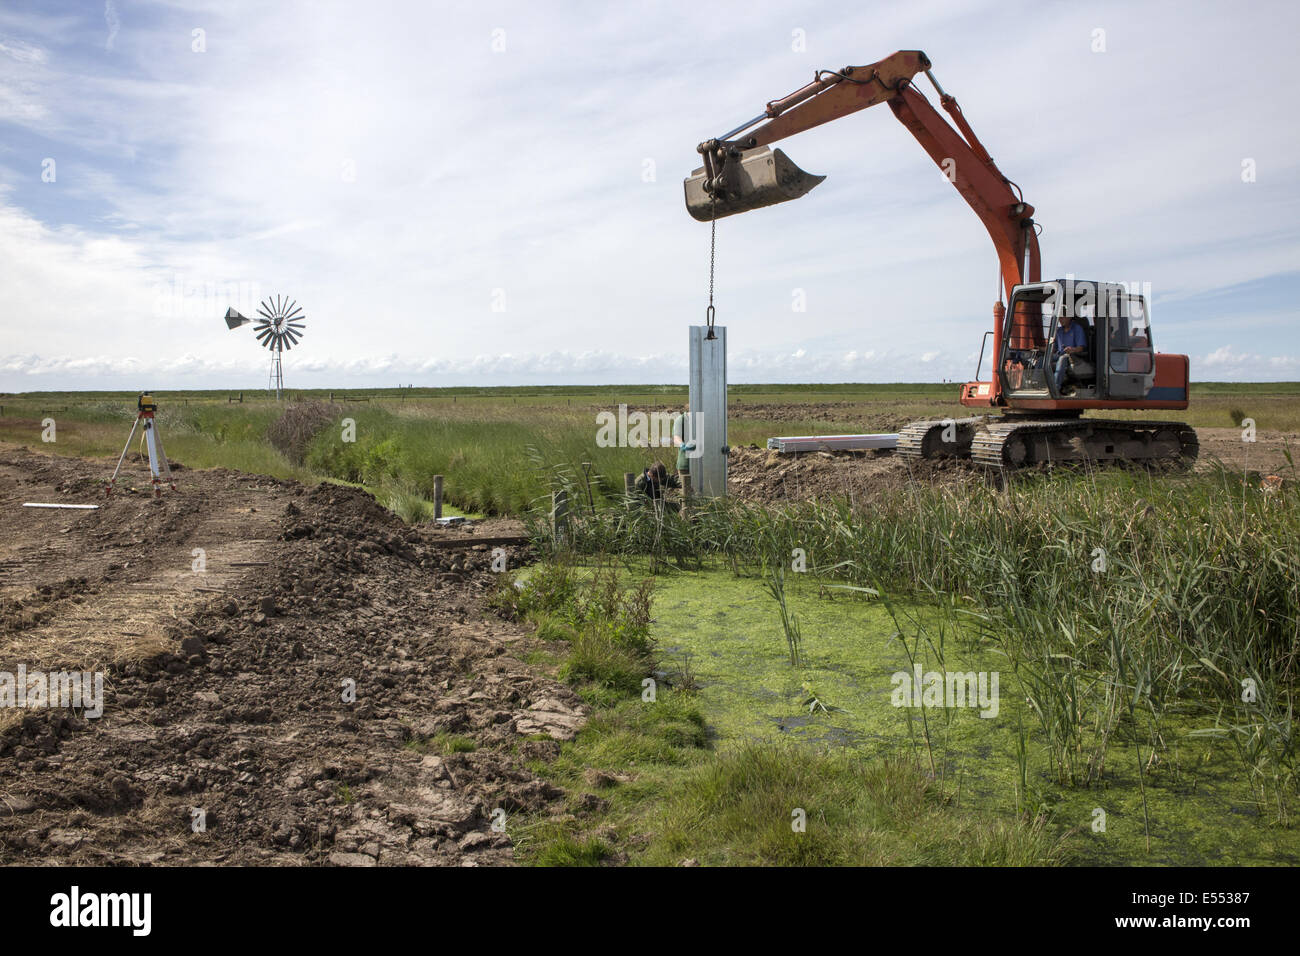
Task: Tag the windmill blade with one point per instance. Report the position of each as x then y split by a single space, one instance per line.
292 307
296 325
292 337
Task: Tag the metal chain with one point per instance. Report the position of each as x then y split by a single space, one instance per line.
710 314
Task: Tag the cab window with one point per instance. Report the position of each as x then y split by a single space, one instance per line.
1129 336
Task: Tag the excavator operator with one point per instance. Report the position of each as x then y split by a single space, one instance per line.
1070 340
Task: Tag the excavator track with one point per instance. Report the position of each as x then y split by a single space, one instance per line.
1024 444
926 439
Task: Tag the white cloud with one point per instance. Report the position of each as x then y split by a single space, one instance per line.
1224 355
1228 361
21 51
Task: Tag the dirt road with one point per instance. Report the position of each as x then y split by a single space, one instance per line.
225 734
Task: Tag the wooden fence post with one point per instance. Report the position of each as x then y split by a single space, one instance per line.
437 496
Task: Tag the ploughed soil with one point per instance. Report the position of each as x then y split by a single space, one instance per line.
232 620
758 474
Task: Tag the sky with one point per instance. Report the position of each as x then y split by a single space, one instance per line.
478 193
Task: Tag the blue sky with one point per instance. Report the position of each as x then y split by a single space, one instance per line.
490 193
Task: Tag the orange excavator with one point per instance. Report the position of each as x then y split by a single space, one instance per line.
1033 403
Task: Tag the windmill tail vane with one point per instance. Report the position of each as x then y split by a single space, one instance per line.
279 327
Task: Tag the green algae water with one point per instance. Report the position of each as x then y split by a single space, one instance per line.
858 689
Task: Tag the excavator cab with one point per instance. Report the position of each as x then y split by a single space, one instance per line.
1118 362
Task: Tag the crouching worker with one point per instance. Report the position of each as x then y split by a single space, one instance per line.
653 480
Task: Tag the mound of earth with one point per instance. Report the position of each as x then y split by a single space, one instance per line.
758 474
327 691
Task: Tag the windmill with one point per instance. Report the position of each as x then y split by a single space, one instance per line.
279 329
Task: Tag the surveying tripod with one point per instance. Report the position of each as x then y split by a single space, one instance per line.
158 467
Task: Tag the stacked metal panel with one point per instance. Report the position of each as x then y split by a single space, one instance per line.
805 443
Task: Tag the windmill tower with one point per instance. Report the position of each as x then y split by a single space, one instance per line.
279 329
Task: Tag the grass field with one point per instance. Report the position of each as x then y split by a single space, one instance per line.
499 448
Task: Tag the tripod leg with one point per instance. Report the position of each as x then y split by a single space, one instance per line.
121 458
151 441
162 457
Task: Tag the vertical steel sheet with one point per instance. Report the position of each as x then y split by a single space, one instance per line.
707 424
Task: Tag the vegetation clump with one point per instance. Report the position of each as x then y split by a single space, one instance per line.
294 430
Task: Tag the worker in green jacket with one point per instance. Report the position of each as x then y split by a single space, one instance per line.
684 447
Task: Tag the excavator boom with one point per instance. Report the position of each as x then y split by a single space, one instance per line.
740 174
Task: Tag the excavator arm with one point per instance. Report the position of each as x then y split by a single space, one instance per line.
740 174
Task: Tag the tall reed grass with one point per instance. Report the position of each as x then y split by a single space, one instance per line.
1123 601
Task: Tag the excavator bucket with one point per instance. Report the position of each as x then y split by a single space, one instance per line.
760 177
